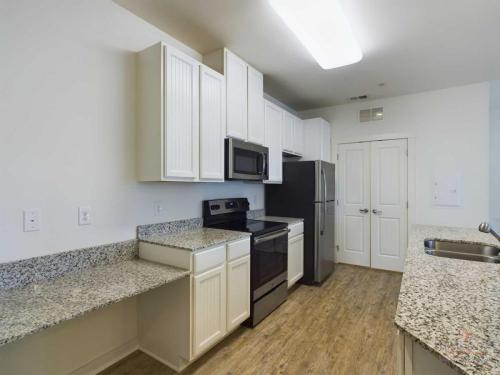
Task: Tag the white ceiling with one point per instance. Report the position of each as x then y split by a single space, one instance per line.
410 45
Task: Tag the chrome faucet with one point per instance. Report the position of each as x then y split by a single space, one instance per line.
486 228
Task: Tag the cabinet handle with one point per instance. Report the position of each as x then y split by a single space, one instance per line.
376 212
364 210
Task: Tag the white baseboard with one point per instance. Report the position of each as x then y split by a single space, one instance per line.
166 363
106 360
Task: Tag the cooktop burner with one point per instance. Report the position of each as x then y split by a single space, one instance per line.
256 227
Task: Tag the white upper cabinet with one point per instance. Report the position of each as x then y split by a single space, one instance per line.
287 136
317 140
181 117
212 124
273 123
236 91
298 136
255 106
168 115
244 96
326 137
292 134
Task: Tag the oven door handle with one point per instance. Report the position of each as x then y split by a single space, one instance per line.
272 236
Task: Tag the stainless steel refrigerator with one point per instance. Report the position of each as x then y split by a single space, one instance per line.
308 191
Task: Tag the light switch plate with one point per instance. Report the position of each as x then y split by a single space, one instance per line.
159 209
84 217
32 219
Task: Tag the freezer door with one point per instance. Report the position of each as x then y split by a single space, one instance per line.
325 181
329 173
324 240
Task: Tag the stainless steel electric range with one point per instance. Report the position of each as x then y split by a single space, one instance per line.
268 253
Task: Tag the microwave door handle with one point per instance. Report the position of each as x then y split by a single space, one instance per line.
264 164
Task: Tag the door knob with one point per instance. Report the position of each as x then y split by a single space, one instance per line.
376 212
364 210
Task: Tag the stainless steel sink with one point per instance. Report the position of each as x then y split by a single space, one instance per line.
462 250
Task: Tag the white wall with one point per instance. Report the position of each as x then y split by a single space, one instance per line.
67 109
451 130
495 154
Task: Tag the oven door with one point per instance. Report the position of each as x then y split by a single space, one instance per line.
269 255
245 161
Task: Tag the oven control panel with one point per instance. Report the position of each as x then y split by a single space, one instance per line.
225 206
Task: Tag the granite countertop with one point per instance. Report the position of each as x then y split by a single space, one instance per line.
279 219
38 306
452 306
194 239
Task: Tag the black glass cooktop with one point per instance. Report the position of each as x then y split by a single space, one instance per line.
256 227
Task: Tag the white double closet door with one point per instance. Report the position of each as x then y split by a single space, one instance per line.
373 203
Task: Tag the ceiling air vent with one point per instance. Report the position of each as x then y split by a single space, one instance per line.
372 114
360 97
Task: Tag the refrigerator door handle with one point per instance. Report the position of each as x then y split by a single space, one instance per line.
320 226
324 219
324 184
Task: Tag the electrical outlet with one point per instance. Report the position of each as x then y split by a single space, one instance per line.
159 209
84 217
32 220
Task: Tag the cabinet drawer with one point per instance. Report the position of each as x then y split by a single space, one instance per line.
296 229
238 249
209 259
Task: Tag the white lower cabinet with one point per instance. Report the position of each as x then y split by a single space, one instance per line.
414 359
238 292
183 319
209 308
295 253
295 259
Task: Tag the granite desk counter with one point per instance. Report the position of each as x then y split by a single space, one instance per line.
451 306
37 306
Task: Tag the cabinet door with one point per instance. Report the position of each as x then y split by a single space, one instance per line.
181 116
295 259
273 123
255 106
287 129
236 93
238 292
212 122
298 136
209 308
312 140
326 140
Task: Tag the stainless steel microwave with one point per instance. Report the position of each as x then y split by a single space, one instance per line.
245 161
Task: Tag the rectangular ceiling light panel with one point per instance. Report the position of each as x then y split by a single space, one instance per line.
322 28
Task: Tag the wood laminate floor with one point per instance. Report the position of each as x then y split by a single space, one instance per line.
343 327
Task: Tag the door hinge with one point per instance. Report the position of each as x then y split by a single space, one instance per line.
337 247
337 202
406 204
338 157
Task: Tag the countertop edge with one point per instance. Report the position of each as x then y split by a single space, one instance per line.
441 357
240 236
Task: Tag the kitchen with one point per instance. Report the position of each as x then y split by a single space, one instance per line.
109 214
